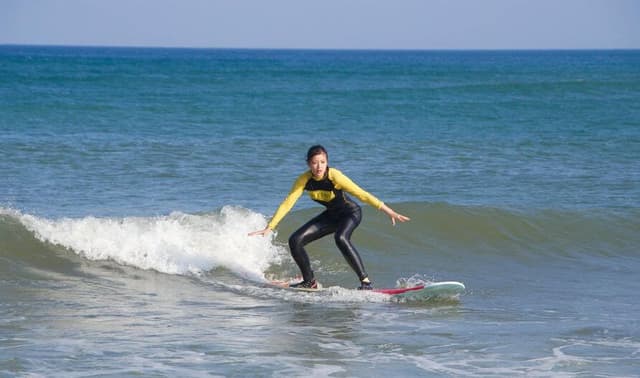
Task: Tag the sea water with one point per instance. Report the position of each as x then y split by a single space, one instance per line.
130 177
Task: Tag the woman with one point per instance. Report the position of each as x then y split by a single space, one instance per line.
342 215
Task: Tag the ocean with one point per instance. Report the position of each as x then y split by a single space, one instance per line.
130 177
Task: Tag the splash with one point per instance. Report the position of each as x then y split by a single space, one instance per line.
178 243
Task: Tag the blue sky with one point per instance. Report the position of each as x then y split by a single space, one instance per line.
339 24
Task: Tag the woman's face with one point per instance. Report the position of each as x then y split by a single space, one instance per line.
318 165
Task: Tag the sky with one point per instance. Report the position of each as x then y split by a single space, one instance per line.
325 24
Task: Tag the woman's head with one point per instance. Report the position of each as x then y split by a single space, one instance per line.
316 150
317 160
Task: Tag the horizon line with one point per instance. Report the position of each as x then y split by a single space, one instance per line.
97 46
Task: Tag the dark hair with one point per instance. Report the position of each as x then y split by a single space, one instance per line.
316 150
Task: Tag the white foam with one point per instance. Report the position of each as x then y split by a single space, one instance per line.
328 295
176 244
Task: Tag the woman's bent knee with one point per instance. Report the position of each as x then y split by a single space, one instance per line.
342 241
295 240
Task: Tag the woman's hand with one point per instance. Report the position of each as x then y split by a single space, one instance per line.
264 232
393 215
398 217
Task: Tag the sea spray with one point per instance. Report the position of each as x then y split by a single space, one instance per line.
177 243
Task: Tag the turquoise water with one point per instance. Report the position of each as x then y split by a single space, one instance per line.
130 178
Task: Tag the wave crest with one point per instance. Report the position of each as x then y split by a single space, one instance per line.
178 243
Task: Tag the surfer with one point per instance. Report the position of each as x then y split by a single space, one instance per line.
327 186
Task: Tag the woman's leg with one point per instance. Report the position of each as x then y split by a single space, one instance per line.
314 229
343 240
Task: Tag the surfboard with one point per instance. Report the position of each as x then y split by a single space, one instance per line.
443 289
428 290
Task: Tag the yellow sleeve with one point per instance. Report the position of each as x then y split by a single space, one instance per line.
296 191
341 181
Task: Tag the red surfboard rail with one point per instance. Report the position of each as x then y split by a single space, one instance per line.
398 290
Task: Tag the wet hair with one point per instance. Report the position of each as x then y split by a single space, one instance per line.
316 150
